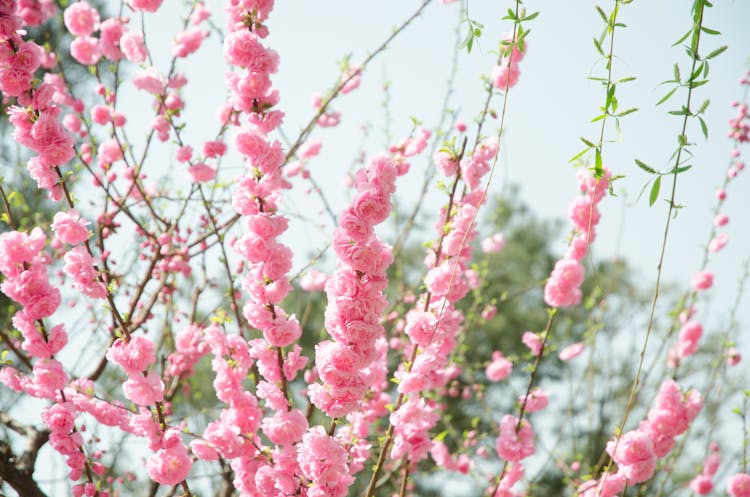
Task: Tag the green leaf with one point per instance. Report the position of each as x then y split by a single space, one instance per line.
654 191
599 171
666 97
598 47
531 17
610 96
716 52
645 167
598 118
625 80
683 38
579 154
710 31
704 128
590 144
678 170
704 106
677 73
602 14
628 111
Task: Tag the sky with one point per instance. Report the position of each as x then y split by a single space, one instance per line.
548 111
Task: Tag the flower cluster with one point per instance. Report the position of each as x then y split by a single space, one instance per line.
355 293
702 483
637 451
563 286
505 75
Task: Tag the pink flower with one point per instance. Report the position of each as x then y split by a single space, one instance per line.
243 49
739 485
144 390
701 484
285 427
169 465
505 76
511 445
562 288
85 50
201 173
79 265
571 351
313 281
702 280
634 455
214 148
188 42
733 357
533 342
150 80
81 18
493 244
145 5
499 368
721 220
70 228
134 356
718 242
133 46
608 486
535 401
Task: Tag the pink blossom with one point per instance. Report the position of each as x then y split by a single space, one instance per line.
515 445
81 19
721 220
313 281
144 390
188 41
145 5
499 368
718 242
702 280
133 46
214 148
571 351
634 455
170 465
533 342
110 33
505 76
201 173
85 50
608 486
701 484
562 288
285 427
739 485
133 356
242 49
70 228
733 357
79 265
535 401
150 80
493 244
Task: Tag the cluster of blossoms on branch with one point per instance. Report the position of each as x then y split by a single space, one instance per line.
563 286
259 433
